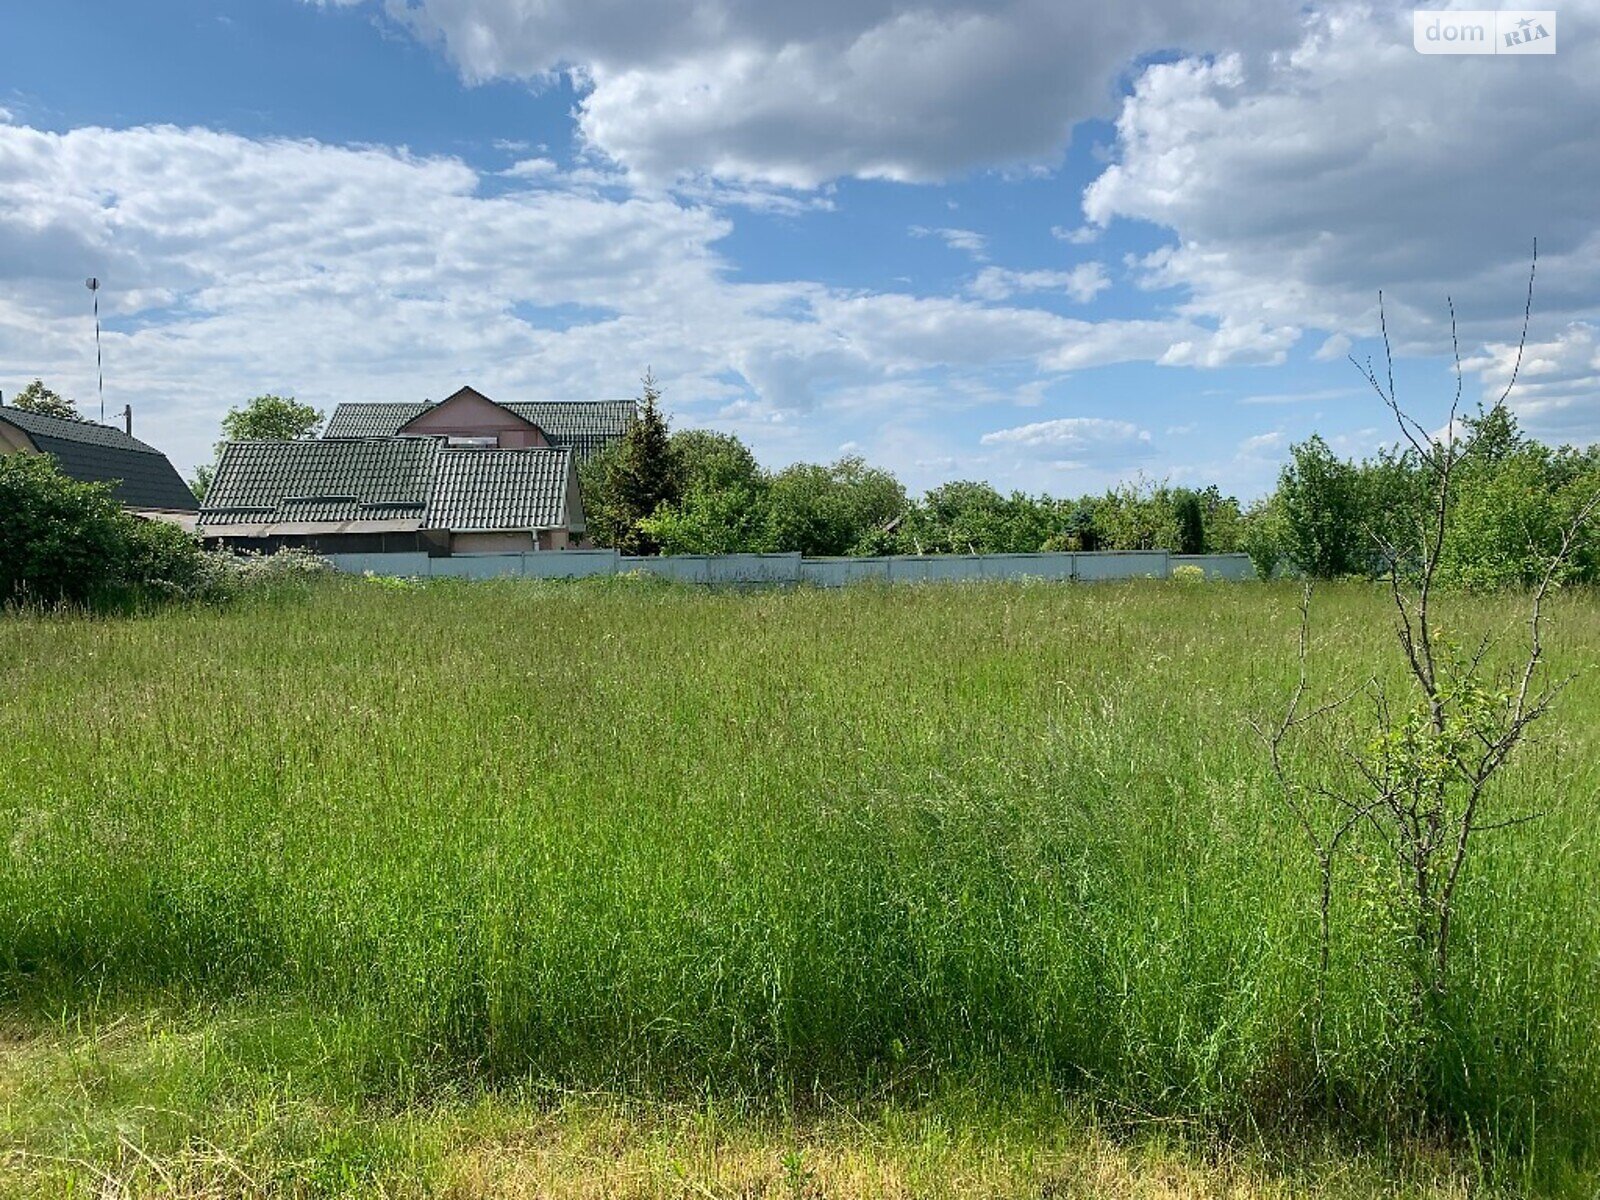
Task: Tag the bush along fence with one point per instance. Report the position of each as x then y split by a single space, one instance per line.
741 569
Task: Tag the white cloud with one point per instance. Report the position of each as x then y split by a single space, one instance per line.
234 266
797 94
1298 184
1557 393
1300 397
968 241
1082 283
531 168
1334 349
1264 445
1071 443
1081 235
1233 342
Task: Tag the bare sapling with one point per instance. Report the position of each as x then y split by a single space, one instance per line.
1420 778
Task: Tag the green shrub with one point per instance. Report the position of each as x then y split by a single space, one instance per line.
66 542
62 541
164 560
1263 538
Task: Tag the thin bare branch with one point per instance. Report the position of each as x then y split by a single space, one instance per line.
1527 316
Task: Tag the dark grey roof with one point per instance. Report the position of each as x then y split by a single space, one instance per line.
484 490
416 481
75 431
584 425
141 475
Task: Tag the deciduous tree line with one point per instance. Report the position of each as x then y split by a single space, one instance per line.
694 491
1510 501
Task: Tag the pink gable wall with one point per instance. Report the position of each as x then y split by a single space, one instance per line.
470 414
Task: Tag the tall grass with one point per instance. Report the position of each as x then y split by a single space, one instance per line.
778 845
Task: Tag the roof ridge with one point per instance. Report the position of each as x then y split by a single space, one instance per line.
70 425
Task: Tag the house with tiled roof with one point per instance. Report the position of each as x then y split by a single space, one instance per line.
350 495
469 417
467 475
141 478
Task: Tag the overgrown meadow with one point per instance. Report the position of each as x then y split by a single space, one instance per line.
788 847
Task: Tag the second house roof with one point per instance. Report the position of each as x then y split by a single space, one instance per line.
584 425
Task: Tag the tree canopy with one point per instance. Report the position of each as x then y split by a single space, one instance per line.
1325 519
37 398
634 479
270 418
1512 497
265 418
696 491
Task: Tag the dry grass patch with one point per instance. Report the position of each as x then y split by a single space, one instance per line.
135 1108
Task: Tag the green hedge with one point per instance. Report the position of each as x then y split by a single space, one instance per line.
67 543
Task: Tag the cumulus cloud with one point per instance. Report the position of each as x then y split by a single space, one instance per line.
1074 442
1301 158
235 265
1082 283
532 168
1557 392
796 94
1298 184
1233 342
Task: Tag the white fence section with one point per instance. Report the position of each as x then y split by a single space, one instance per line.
742 569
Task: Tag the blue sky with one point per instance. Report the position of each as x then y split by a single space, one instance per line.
967 240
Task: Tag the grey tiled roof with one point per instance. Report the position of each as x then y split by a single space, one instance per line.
140 474
577 418
371 420
480 490
584 425
338 480
412 480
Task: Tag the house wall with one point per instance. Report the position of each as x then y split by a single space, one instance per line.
577 522
409 542
13 440
473 416
492 543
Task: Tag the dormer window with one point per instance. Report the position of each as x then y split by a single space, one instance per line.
485 443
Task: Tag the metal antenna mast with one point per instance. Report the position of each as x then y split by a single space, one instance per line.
93 285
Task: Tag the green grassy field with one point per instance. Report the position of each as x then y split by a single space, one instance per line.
1002 860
